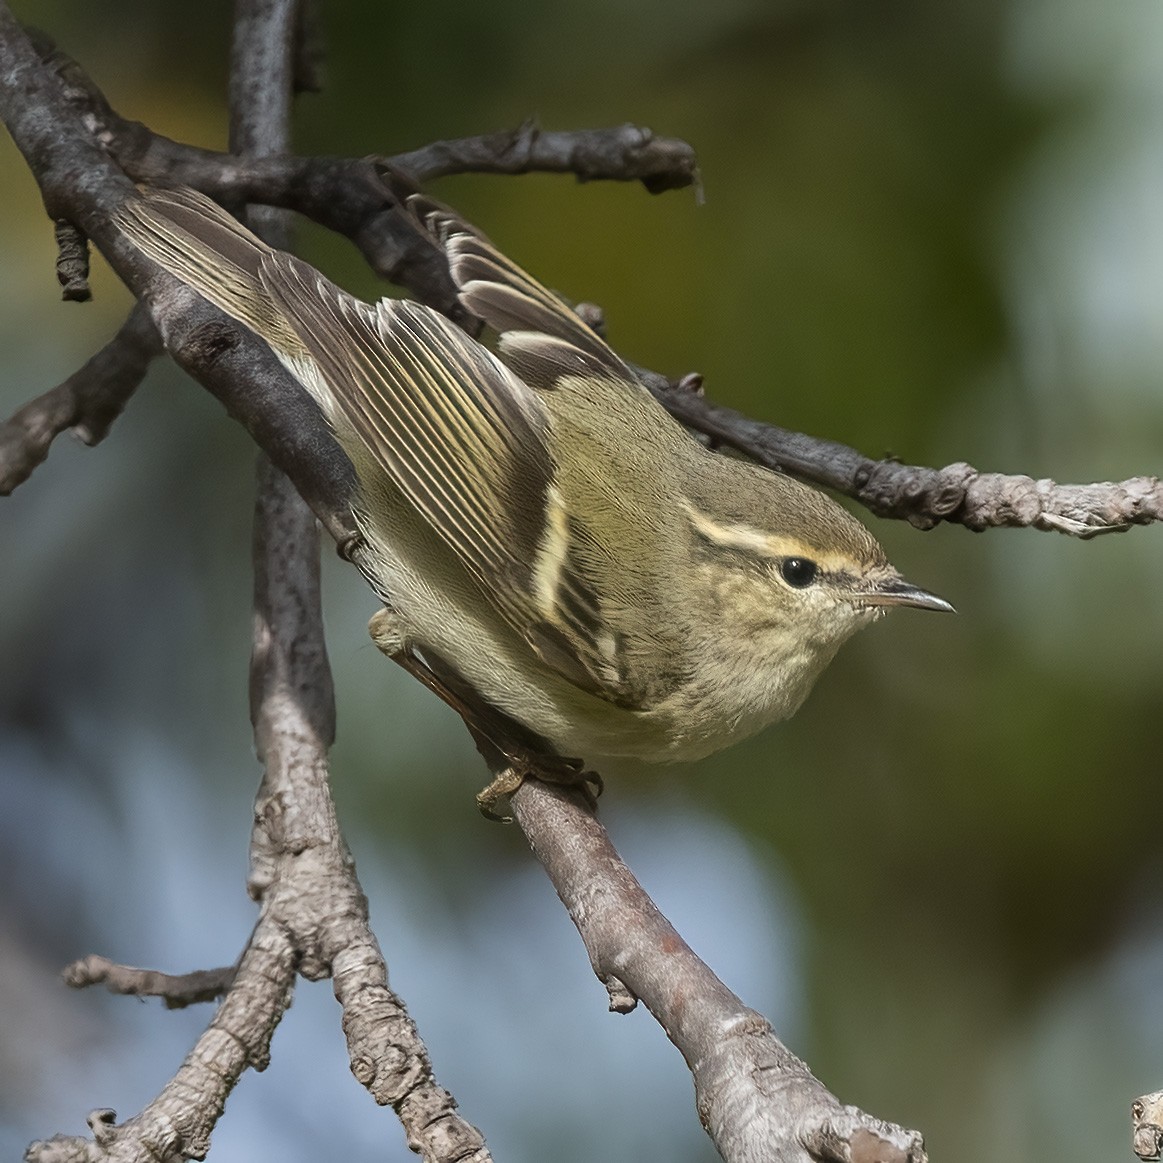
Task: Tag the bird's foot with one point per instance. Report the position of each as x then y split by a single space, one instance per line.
522 764
498 738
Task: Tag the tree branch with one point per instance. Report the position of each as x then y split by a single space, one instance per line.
355 197
302 871
625 153
629 153
756 1099
293 704
236 367
87 402
1147 1125
301 867
177 1124
957 493
176 990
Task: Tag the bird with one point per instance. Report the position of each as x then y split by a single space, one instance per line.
556 555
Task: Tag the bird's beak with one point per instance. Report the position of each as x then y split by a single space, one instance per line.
895 591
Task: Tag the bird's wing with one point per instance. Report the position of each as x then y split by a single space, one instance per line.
541 338
466 441
461 436
197 241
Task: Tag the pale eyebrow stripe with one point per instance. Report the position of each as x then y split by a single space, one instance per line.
745 537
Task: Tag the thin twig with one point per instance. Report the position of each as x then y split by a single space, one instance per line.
628 153
621 153
176 990
351 196
177 1124
87 402
958 493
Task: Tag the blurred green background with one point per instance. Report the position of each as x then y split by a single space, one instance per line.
929 230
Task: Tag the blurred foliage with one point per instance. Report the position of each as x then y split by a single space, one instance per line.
908 244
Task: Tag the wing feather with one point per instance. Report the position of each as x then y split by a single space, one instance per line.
464 438
448 422
511 301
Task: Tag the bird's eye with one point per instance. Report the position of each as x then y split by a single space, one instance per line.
798 571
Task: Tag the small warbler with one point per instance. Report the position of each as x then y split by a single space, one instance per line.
542 532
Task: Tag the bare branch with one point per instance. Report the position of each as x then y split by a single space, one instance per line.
624 153
756 1099
957 493
314 915
239 369
293 708
177 1124
629 153
1147 1125
87 402
301 867
176 990
350 196
72 263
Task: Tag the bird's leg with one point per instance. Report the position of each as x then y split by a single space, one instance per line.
502 741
